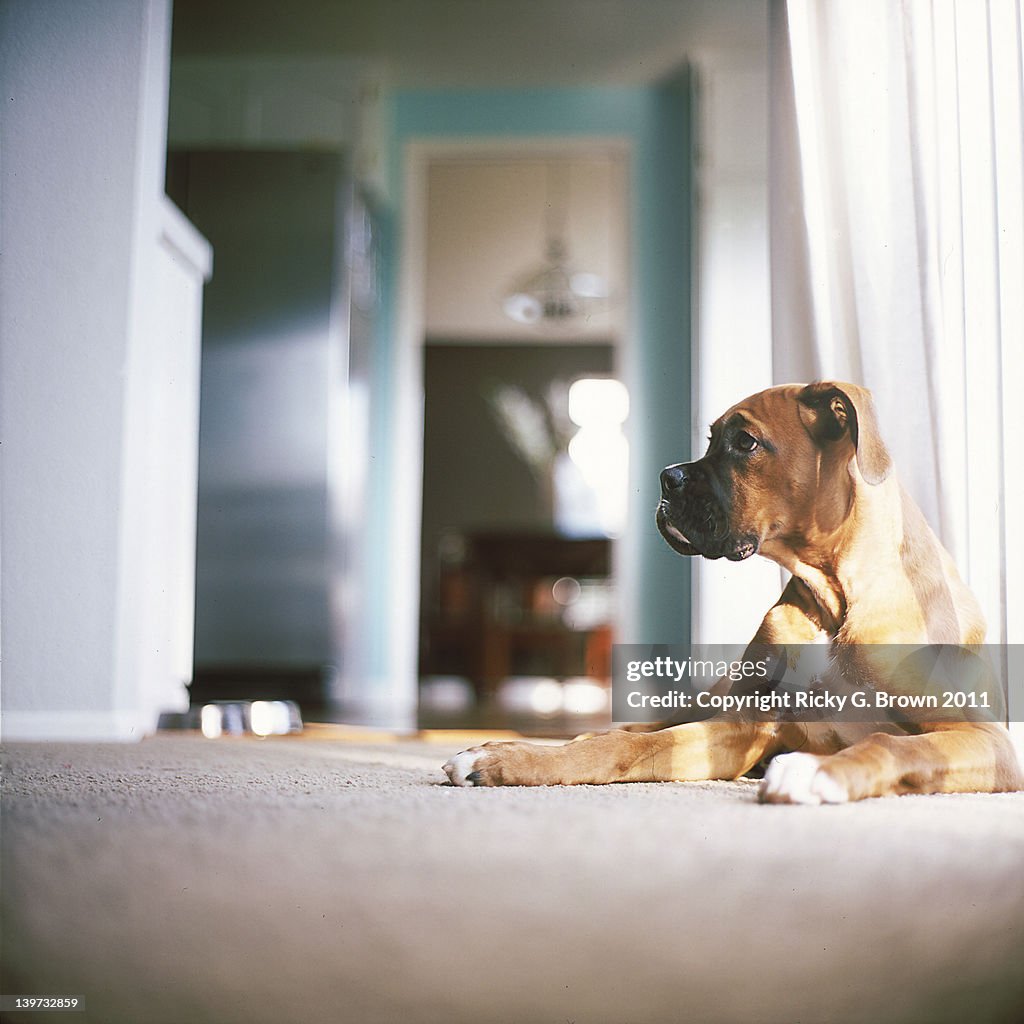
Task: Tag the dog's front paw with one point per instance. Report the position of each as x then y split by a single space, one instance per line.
462 768
501 764
801 779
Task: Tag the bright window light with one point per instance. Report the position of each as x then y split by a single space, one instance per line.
599 450
597 402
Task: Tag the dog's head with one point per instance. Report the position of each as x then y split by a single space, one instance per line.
781 468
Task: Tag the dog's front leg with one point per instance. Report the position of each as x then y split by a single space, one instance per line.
720 748
949 758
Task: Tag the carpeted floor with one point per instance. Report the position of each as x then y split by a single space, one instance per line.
189 881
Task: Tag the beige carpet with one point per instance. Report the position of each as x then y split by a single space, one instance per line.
185 880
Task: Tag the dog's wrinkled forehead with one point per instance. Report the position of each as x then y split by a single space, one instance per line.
829 415
771 412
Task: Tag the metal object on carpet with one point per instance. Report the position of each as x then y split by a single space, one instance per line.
239 718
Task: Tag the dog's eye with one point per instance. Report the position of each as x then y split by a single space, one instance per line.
745 442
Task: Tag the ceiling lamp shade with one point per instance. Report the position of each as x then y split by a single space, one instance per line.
555 294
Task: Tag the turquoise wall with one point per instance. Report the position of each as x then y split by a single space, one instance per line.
655 121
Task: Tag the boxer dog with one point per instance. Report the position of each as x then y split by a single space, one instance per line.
799 474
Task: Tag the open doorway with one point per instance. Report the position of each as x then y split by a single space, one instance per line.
524 444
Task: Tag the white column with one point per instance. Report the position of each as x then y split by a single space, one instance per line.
97 375
732 349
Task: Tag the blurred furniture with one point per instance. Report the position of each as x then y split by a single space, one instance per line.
521 604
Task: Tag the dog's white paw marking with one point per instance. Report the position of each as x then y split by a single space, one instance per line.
461 767
799 779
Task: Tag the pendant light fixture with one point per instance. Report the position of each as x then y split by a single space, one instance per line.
555 294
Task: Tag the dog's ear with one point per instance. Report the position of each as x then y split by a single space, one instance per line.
831 410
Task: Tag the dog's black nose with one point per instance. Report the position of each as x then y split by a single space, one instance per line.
672 478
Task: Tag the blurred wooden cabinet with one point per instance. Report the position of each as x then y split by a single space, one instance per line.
520 604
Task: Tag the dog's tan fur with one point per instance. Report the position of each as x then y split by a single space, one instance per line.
866 570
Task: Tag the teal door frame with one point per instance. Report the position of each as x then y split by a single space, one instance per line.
654 125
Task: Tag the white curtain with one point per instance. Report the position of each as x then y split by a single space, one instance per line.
897 250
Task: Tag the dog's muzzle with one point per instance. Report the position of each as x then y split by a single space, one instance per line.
673 480
691 515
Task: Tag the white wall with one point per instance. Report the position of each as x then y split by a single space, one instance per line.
89 343
732 331
486 220
274 382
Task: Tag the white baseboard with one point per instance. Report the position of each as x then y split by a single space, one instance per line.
94 726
